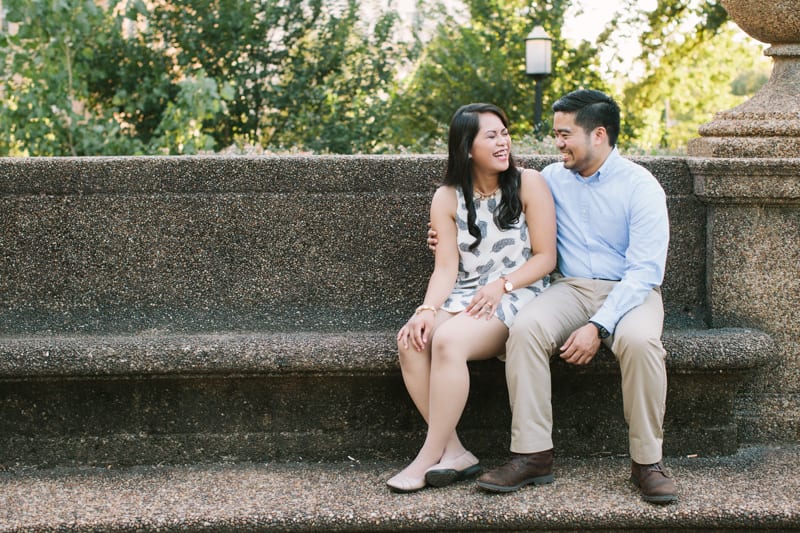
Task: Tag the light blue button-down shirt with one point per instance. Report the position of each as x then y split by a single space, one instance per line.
611 225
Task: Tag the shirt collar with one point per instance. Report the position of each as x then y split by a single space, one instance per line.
607 168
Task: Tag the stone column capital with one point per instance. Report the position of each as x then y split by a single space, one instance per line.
762 182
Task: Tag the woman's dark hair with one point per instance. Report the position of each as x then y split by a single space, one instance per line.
592 109
464 128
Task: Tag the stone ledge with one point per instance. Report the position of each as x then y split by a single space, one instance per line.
314 353
97 246
159 398
746 181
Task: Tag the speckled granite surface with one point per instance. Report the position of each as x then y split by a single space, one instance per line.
758 488
150 399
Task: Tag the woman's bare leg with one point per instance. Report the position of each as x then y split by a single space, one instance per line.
458 340
415 367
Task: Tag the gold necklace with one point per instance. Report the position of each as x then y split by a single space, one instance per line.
481 196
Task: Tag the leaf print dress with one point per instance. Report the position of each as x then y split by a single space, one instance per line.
499 253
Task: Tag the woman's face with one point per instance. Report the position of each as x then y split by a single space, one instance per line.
492 145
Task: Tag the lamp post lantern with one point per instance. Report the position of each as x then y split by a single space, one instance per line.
538 65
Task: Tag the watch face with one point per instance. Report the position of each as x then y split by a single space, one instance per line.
508 286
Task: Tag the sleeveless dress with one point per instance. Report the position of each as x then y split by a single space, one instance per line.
499 253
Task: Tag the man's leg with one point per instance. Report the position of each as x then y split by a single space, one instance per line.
637 346
538 331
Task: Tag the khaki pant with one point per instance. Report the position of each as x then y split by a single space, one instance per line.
543 326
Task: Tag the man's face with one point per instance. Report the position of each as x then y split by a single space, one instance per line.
581 150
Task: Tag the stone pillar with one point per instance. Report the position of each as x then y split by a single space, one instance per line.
746 169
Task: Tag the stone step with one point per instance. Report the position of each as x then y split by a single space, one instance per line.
755 488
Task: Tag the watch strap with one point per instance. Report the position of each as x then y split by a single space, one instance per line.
602 332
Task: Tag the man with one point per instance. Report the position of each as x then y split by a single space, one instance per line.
613 234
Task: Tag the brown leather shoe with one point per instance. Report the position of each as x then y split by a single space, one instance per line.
522 469
654 484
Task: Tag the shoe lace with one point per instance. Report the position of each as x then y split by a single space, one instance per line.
656 467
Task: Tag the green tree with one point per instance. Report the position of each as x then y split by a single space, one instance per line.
687 88
484 60
336 88
182 76
48 104
306 73
75 85
694 64
181 130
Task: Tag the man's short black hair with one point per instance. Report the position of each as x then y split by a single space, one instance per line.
592 109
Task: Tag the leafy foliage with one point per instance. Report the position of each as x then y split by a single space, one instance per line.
81 77
46 85
694 65
301 71
183 76
484 60
686 88
336 84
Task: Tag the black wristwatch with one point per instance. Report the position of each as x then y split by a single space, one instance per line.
601 331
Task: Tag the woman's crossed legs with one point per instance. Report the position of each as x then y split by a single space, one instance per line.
437 379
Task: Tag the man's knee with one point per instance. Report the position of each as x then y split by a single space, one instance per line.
523 325
639 349
527 327
638 334
635 341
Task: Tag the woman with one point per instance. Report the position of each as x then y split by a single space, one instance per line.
497 244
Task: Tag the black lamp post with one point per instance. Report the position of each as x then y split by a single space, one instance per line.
538 59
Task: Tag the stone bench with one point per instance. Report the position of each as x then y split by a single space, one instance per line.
185 398
197 309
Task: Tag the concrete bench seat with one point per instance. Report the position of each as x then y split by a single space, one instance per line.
175 398
311 353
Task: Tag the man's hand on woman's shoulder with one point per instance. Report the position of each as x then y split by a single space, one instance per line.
432 240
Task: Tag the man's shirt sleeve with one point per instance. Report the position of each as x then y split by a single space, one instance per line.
645 257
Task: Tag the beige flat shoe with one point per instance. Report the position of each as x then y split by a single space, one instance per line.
444 473
405 484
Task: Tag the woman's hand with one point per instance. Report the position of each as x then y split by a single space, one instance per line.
486 300
417 329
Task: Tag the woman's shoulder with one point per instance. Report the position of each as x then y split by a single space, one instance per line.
446 191
529 173
445 197
530 178
533 189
